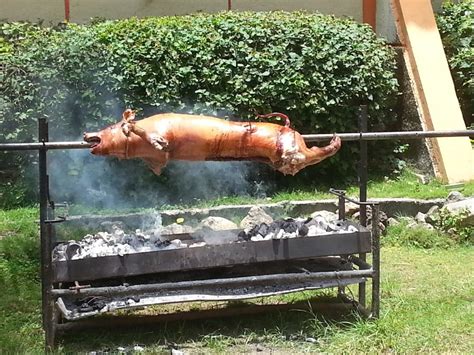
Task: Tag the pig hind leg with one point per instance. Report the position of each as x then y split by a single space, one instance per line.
296 155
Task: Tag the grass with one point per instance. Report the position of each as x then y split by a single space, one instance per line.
406 185
427 306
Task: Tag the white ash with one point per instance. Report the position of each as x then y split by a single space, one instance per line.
116 242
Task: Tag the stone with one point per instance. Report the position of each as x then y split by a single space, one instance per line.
432 216
464 208
176 352
426 226
217 224
176 228
255 216
310 340
422 179
351 208
392 222
454 196
259 348
420 217
328 216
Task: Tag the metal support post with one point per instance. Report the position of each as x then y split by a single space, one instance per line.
375 262
341 290
45 238
363 190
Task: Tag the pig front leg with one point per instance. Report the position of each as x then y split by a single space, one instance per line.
157 141
156 164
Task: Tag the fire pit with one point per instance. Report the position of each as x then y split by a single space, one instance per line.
256 265
120 270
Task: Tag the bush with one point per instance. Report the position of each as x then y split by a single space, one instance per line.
456 26
452 224
416 236
315 68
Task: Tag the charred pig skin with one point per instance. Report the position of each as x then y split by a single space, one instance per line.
170 136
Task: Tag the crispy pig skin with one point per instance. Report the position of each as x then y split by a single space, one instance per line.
170 136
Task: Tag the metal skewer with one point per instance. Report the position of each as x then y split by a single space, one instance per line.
309 138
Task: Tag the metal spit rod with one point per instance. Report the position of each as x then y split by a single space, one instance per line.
309 138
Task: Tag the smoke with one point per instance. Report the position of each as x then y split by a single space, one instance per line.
76 176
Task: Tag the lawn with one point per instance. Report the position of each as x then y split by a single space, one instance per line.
427 306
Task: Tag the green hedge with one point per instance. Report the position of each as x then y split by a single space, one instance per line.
456 26
315 68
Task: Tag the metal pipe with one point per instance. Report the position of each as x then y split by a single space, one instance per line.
342 193
363 177
48 311
373 136
44 145
227 282
375 262
309 138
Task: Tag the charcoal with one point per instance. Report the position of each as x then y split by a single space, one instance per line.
263 229
242 236
289 225
303 230
162 244
254 231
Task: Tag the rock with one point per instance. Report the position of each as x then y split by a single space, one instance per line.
392 222
138 348
351 208
422 178
259 348
217 224
311 340
427 226
328 216
432 216
464 208
454 196
255 216
420 217
176 228
176 352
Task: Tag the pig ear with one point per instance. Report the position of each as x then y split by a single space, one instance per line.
128 115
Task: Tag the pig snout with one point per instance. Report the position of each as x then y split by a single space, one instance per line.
94 139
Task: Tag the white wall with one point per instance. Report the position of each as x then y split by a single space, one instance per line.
81 11
52 11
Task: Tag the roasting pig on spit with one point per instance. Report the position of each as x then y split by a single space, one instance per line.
170 136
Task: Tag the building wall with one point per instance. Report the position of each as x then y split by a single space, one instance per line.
52 11
81 11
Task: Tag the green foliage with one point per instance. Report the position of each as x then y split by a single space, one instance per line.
456 26
452 224
19 245
417 236
315 68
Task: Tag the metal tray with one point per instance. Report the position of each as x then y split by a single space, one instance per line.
211 256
